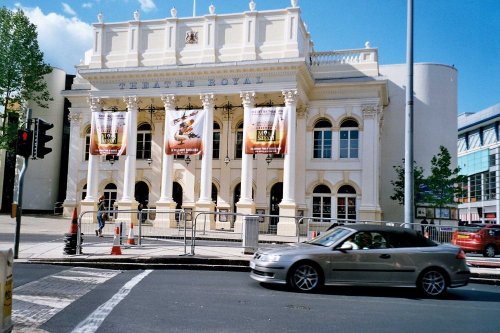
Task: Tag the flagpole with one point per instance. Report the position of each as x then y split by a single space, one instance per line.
409 204
194 8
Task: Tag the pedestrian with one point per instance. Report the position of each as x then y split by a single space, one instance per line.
423 225
101 206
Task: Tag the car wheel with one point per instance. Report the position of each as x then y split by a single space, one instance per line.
489 251
305 277
433 283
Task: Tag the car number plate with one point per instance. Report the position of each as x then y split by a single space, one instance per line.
463 236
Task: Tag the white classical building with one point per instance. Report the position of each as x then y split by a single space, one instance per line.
345 129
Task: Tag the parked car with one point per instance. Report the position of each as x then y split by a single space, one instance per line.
363 254
480 238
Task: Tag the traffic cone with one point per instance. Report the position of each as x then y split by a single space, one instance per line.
131 238
116 249
73 227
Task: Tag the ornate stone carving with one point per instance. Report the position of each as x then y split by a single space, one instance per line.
252 5
75 117
132 102
302 112
370 110
207 100
191 37
168 101
211 9
95 103
248 98
173 12
290 96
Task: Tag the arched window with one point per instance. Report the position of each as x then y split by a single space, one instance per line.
349 139
216 142
346 203
322 202
239 142
87 143
322 139
143 142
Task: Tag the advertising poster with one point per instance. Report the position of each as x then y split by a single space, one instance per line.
266 132
108 133
184 132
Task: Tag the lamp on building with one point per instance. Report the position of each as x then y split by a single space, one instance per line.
149 160
111 158
187 159
269 158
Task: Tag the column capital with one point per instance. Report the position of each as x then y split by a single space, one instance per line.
94 103
132 102
371 110
248 98
168 101
75 118
302 112
208 100
290 96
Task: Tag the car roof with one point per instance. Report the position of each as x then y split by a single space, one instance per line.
376 227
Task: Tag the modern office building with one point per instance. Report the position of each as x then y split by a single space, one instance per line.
479 160
341 116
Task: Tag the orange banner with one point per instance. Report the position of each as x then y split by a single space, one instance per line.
267 131
184 132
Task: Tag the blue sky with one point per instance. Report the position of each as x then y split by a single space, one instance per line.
462 33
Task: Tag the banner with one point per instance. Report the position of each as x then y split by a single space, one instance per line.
267 131
184 132
108 134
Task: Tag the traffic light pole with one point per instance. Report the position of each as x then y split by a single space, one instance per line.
19 199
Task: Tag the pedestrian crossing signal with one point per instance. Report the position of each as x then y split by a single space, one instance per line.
24 144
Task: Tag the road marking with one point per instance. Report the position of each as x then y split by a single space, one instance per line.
96 318
38 301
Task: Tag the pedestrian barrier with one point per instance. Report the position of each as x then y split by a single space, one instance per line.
6 265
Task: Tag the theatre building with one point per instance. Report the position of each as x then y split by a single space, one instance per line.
239 113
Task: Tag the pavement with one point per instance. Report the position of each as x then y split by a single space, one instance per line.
213 250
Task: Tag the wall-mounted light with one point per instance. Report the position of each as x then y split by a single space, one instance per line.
187 159
150 161
269 158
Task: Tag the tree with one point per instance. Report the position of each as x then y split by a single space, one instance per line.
444 183
399 183
22 71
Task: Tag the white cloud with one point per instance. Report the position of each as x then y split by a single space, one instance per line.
87 5
62 40
68 10
147 5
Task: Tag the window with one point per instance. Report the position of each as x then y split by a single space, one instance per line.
349 139
322 202
110 192
475 187
346 203
474 140
87 143
143 142
216 142
239 142
322 139
489 186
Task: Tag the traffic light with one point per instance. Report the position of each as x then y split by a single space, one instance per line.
24 143
40 138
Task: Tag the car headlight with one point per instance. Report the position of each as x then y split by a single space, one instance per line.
270 257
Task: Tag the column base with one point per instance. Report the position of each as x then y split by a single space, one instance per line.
127 217
206 217
370 214
223 221
91 208
287 225
165 214
243 208
68 207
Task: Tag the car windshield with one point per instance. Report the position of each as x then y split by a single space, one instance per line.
330 237
470 228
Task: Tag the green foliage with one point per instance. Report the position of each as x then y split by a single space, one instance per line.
21 69
444 183
399 183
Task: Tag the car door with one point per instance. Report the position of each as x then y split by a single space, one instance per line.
361 266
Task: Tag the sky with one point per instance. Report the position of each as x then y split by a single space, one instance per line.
460 33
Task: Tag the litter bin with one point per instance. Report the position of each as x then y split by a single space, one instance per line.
6 263
250 234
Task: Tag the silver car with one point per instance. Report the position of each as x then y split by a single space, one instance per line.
364 254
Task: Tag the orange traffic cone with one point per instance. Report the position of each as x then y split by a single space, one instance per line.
73 227
116 249
131 238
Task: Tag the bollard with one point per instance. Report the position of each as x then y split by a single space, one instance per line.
6 263
250 234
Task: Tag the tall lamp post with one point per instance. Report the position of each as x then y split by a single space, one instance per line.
409 206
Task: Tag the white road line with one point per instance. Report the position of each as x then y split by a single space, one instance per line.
96 318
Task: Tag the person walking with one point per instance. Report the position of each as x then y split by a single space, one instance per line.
101 206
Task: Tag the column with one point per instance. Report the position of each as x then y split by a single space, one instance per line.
127 201
166 203
93 171
288 207
246 204
74 158
369 208
205 203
